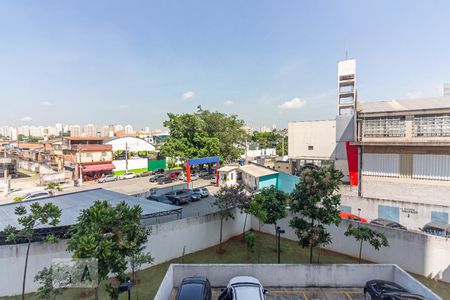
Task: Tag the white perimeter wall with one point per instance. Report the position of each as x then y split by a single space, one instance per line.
165 243
414 252
133 164
298 275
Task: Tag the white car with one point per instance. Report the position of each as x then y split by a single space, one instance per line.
127 175
243 287
37 195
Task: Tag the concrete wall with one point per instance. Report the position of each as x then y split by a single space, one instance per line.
321 135
412 215
408 190
133 164
165 243
286 275
414 252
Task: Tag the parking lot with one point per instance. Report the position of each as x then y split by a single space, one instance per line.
304 293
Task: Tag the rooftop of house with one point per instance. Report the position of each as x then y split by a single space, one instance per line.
420 104
257 171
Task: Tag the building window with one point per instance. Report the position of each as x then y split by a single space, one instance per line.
384 127
310 147
231 176
432 125
437 216
89 155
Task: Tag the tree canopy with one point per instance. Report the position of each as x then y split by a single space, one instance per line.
111 234
315 203
204 133
269 205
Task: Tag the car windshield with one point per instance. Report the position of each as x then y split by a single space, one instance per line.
191 291
386 287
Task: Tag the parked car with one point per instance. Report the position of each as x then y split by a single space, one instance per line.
346 215
127 175
154 178
388 223
160 198
193 288
212 180
386 290
203 173
437 228
194 196
173 175
193 177
144 174
158 171
164 180
107 178
37 195
204 192
243 287
178 197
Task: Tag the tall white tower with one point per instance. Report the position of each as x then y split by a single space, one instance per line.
346 113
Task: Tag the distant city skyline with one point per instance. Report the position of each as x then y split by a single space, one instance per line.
268 62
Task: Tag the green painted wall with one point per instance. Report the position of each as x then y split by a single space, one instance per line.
267 181
157 164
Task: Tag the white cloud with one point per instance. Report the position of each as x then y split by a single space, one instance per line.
295 103
188 95
26 119
47 103
228 103
123 106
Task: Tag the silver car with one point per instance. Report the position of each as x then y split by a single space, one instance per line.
202 191
243 287
107 178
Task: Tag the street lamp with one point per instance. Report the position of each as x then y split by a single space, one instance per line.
279 232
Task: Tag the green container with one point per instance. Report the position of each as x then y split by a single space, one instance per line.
157 164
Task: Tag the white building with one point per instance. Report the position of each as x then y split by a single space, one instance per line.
311 141
75 130
128 129
228 175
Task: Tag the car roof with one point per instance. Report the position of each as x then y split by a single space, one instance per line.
244 279
439 225
383 221
195 279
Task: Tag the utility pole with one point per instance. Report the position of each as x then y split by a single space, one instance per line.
282 145
126 157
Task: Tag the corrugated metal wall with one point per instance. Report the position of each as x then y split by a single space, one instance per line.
429 166
385 165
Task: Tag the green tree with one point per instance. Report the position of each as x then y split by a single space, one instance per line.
47 290
366 234
137 260
269 205
227 198
282 146
202 134
250 242
315 202
47 214
110 234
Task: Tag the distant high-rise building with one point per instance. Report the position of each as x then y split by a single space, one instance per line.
75 130
264 129
147 129
89 130
446 89
118 127
59 129
128 129
248 129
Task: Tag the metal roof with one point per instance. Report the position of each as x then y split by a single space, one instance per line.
257 171
228 168
405 105
71 205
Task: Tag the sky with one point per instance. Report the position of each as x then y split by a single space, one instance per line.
269 62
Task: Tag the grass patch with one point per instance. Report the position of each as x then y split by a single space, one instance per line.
236 252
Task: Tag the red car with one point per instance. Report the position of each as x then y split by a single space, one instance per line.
349 216
173 175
